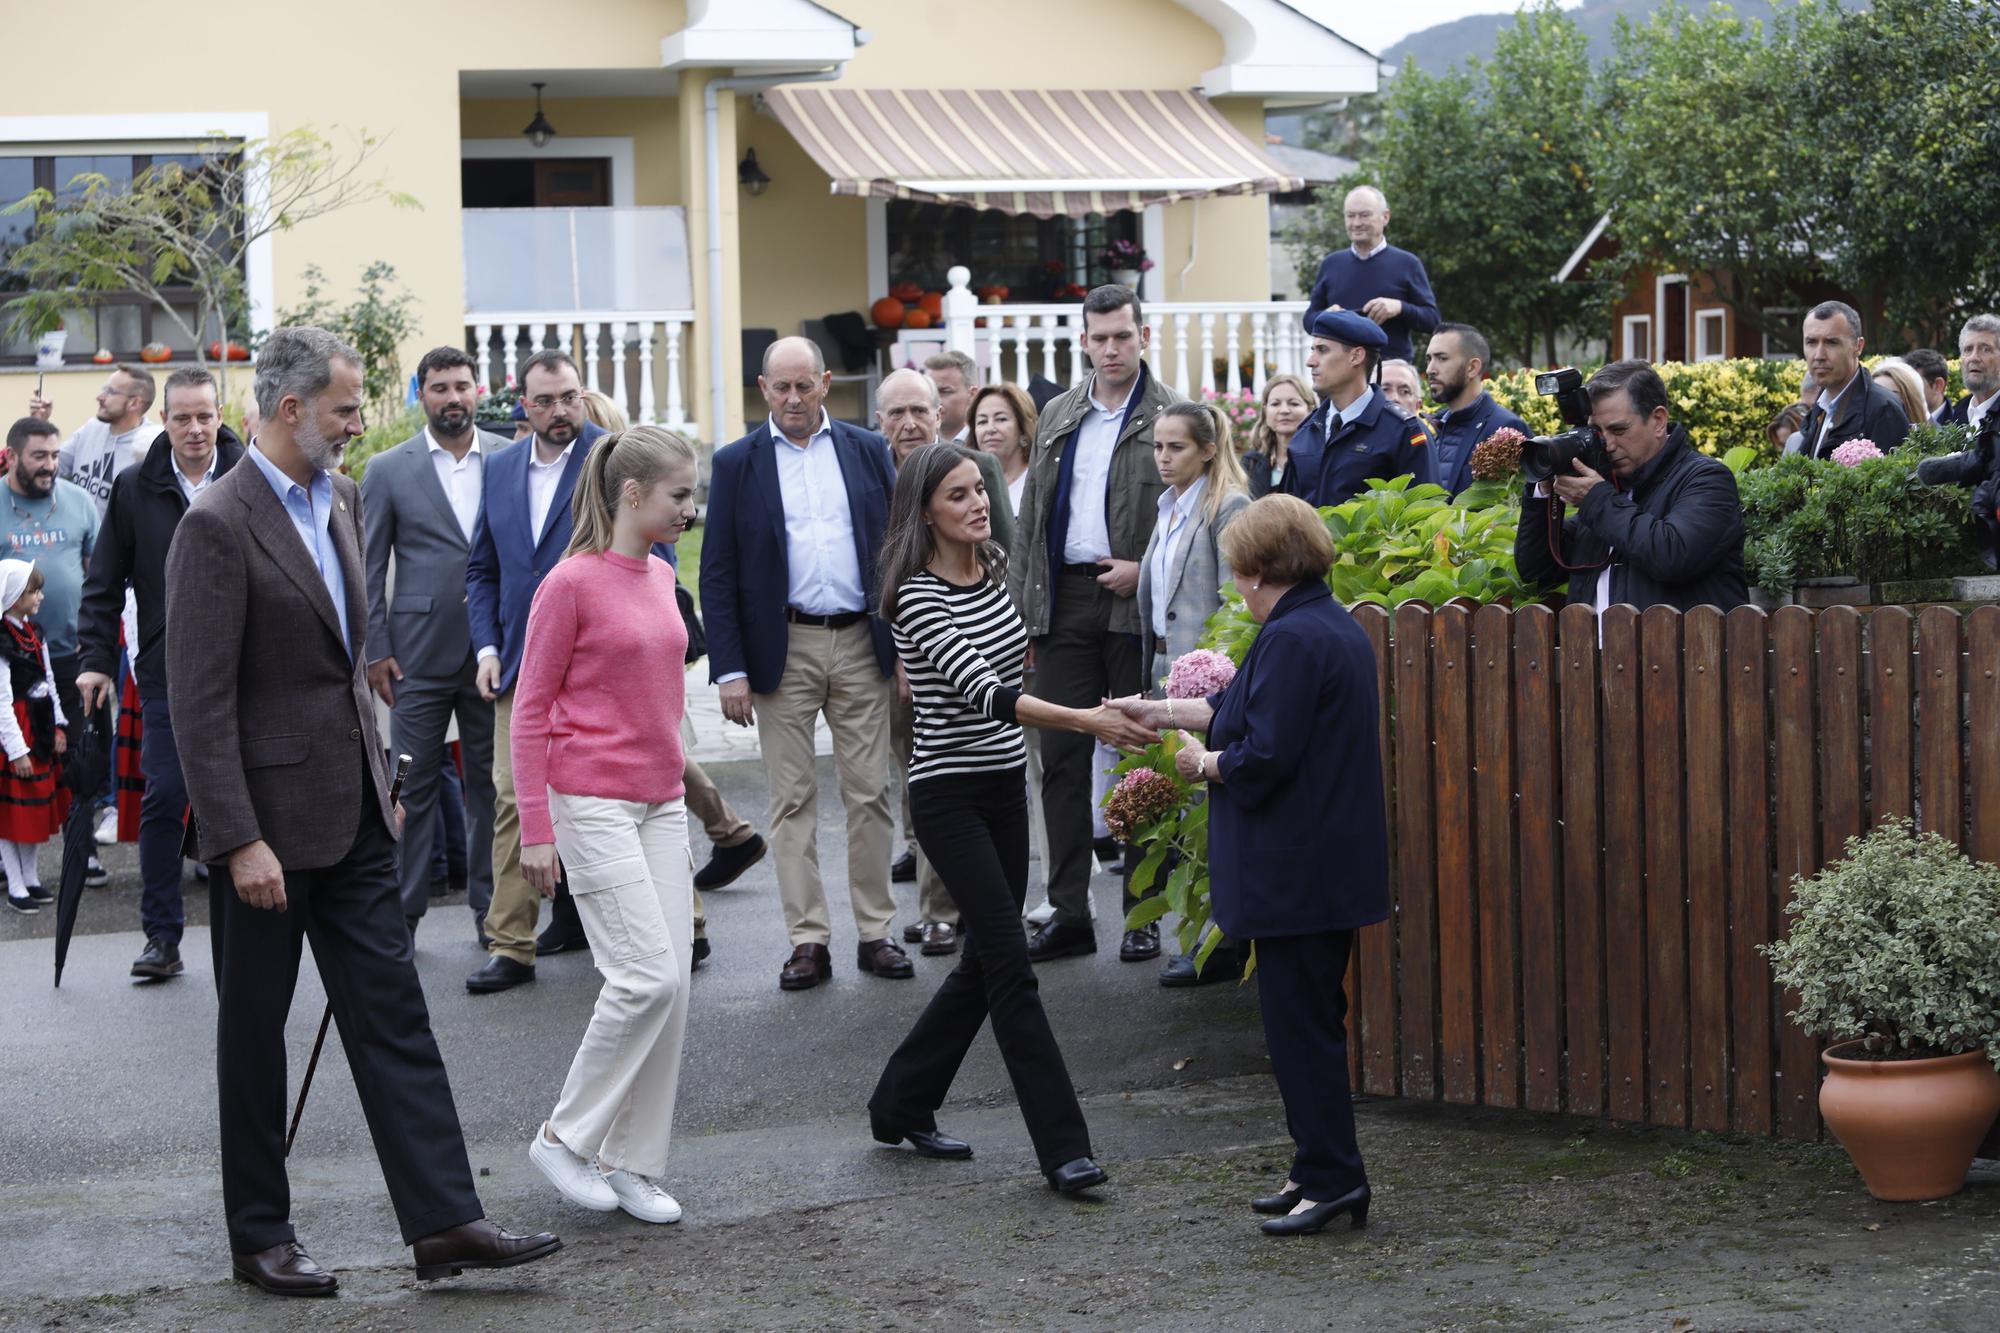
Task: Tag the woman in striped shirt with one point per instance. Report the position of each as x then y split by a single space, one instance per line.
963 648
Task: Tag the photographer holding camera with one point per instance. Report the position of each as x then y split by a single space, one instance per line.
1665 526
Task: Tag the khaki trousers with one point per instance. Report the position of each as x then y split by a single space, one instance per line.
933 903
631 874
511 917
830 671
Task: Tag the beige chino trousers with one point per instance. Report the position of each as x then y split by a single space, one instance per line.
631 874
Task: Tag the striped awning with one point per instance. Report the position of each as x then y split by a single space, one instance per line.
1035 151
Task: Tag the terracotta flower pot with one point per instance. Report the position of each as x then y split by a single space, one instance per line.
1911 1126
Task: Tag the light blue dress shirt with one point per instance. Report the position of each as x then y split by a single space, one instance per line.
311 512
819 527
1176 509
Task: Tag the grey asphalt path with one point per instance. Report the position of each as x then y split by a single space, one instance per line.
111 1083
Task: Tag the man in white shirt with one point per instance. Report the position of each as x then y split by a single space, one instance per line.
420 502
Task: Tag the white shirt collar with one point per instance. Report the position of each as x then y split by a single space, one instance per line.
535 456
1119 410
1182 503
207 475
825 427
1357 407
1381 244
476 448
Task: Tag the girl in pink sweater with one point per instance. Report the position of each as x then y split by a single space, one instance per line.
597 779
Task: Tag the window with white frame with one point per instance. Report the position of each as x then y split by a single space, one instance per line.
1638 338
1711 335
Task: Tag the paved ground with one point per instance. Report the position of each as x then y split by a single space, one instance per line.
110 1211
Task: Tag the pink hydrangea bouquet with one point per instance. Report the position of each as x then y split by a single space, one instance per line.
1198 674
1241 407
1142 798
1856 452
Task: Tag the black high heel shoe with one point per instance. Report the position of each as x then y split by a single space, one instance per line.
1315 1218
1278 1204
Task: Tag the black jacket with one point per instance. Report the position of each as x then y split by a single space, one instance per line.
1674 536
1866 411
1978 468
139 521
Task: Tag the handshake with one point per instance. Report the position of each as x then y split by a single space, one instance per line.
1133 723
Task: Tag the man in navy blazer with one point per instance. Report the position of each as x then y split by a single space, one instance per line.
523 529
797 511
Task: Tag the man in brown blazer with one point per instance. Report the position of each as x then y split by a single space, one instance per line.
266 615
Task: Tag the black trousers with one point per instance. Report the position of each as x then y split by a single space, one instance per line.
353 914
974 830
1300 981
1078 664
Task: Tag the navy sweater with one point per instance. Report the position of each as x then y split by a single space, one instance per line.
1350 282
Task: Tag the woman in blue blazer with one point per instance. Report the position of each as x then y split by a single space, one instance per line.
1298 841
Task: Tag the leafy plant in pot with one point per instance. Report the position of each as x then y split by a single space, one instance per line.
1894 952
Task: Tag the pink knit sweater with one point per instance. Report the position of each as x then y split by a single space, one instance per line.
598 702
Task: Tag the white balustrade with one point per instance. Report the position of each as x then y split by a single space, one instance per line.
606 344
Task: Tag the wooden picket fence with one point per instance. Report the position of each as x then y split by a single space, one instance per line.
1589 841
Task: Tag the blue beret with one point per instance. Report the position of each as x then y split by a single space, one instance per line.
1347 327
520 412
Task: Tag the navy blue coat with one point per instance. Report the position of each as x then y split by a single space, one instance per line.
1351 282
745 568
1459 432
508 562
1381 442
1298 836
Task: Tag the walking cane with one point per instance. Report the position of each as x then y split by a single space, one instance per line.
305 1085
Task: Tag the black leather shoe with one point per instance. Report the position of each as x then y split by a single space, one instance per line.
1073 1177
1223 965
1140 945
701 952
809 965
727 864
940 938
500 973
39 894
1278 1204
1315 1218
883 959
284 1270
1056 940
555 940
160 961
914 932
903 870
927 1142
478 1245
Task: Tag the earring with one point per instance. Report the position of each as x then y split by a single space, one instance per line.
1255 586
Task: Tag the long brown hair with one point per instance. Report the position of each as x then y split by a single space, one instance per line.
643 454
910 545
1210 427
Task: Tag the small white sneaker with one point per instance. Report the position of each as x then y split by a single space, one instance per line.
574 1178
107 827
1042 915
642 1197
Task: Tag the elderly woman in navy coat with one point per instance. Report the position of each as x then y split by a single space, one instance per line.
1297 838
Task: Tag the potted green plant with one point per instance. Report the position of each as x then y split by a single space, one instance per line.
1894 952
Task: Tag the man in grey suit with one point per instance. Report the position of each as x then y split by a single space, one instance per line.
266 625
422 499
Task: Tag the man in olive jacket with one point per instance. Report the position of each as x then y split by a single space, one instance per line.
1087 512
1668 533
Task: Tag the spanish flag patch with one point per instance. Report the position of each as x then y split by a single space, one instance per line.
1418 438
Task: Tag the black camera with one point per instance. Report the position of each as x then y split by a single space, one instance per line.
1549 456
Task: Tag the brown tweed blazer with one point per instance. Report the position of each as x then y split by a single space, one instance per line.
271 711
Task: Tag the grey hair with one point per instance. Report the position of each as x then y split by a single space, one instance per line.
1981 324
297 362
967 368
937 400
1829 309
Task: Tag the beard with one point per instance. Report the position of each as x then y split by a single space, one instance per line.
560 432
450 420
34 485
320 450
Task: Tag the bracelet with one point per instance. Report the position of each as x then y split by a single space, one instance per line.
1170 712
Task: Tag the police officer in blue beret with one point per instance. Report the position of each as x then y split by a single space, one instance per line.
1356 433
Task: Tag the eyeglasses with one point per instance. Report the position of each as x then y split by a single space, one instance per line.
543 402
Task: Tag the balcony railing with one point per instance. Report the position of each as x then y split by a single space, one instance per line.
636 358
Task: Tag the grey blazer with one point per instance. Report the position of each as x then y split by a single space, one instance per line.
279 715
423 624
1194 585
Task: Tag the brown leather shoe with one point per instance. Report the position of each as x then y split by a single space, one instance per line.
914 932
884 959
809 965
478 1244
939 938
285 1270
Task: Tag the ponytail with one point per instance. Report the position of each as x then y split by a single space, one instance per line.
642 454
1209 425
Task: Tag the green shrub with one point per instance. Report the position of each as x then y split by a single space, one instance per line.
1808 519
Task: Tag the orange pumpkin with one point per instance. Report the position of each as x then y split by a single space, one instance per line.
917 318
887 313
155 353
103 356
907 292
933 302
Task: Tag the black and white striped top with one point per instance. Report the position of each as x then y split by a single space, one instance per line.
964 650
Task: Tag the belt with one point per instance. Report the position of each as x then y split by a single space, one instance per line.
1091 570
838 620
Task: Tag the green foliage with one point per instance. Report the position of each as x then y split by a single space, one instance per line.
1898 942
1486 172
376 324
1805 518
386 433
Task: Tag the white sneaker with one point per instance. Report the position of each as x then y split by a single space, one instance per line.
1041 916
574 1178
107 827
642 1197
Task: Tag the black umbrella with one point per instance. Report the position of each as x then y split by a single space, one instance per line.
85 768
